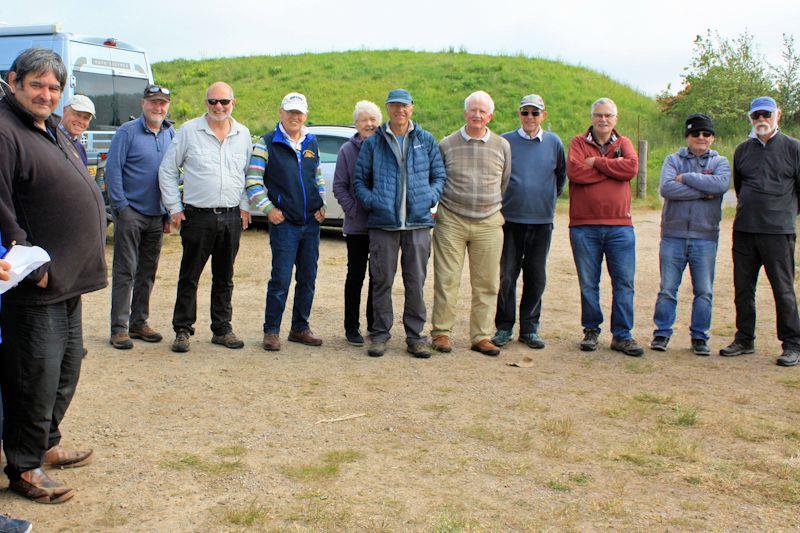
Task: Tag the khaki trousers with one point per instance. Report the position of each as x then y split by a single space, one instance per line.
483 241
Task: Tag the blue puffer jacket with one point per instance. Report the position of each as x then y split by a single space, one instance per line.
693 206
378 180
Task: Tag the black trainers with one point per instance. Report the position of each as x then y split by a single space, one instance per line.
659 343
589 342
628 347
700 347
737 348
419 350
354 338
790 357
181 342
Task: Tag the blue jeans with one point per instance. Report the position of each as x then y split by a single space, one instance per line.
292 246
674 254
618 244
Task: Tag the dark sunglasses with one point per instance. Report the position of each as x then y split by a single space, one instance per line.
697 134
215 101
531 113
755 115
155 89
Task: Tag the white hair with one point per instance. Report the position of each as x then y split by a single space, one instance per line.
369 108
479 95
603 101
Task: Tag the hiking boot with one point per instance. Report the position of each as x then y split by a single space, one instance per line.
181 342
121 341
531 340
502 337
305 337
628 347
659 343
354 338
789 357
228 340
589 342
737 348
145 333
36 485
419 350
441 343
700 347
485 347
376 349
271 342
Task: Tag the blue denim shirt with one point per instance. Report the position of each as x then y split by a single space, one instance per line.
132 166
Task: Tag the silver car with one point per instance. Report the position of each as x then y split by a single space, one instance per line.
329 139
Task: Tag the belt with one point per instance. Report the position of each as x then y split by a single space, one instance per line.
214 210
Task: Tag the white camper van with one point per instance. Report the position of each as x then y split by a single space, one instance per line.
112 73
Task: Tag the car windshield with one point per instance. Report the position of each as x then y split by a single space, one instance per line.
116 98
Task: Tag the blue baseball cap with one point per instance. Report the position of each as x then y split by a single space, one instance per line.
763 103
400 96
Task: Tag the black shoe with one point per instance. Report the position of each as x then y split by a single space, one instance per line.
589 342
181 342
700 347
659 343
419 350
354 338
737 348
376 349
789 357
628 347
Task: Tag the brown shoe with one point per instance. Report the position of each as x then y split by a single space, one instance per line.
121 341
272 342
486 347
229 340
59 457
305 337
36 485
146 333
441 343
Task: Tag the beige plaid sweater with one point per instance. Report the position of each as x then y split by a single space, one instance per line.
477 174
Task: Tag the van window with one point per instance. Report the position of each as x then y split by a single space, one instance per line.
329 147
116 98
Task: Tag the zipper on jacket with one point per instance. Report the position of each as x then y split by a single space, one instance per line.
299 156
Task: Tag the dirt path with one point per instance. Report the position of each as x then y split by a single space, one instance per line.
219 439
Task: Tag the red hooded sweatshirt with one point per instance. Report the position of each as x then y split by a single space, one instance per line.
601 194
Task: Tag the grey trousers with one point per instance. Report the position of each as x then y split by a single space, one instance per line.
384 247
137 246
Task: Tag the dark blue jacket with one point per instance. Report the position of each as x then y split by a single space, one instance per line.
291 177
378 180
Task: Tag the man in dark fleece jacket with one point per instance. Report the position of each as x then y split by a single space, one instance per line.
48 199
600 166
766 176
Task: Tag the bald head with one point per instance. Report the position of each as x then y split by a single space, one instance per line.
219 87
219 101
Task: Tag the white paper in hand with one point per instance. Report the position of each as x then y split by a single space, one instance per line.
24 260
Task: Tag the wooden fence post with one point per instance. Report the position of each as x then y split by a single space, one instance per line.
641 176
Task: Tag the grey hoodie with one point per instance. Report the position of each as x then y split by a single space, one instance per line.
693 206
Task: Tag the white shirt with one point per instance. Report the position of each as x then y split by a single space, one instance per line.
213 171
298 144
466 136
539 135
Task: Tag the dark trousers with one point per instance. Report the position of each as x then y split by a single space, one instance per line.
357 263
525 248
40 362
137 246
293 247
205 234
776 254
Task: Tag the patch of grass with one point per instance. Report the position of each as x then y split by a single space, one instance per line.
792 383
325 469
510 440
113 517
742 399
639 367
673 446
449 519
195 462
248 515
557 486
234 450
436 408
683 416
792 434
693 480
554 448
579 479
752 434
321 513
650 398
562 427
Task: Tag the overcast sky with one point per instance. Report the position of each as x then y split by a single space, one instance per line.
642 43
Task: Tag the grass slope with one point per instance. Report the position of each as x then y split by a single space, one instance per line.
439 82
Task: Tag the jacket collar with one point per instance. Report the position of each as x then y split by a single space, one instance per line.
279 137
590 137
686 154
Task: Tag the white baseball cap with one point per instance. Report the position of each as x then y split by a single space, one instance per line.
81 103
295 102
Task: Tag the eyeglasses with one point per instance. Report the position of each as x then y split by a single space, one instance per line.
755 115
696 134
604 115
215 101
531 113
155 89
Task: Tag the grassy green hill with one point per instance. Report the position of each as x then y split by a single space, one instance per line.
439 82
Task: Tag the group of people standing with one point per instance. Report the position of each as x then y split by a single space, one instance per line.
493 195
